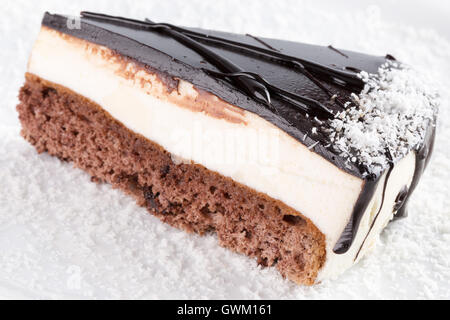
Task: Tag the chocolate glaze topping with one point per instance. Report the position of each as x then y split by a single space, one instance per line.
286 83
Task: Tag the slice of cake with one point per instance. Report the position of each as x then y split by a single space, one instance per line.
295 154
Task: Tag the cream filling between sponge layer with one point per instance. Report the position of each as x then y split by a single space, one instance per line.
221 137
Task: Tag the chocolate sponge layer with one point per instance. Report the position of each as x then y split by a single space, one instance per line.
187 196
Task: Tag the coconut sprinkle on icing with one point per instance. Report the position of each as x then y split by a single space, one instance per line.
391 113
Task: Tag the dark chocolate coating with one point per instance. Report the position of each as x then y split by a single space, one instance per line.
286 83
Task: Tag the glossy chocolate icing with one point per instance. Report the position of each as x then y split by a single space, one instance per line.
286 83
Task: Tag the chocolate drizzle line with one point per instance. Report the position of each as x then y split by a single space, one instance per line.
262 42
254 85
124 36
346 79
256 90
305 103
308 68
336 50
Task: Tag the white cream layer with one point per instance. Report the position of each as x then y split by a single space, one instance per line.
247 148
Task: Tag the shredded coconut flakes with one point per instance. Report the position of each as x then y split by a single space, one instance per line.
391 113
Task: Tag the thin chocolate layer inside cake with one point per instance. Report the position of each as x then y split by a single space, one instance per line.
206 143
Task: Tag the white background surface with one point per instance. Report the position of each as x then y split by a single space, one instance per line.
62 236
